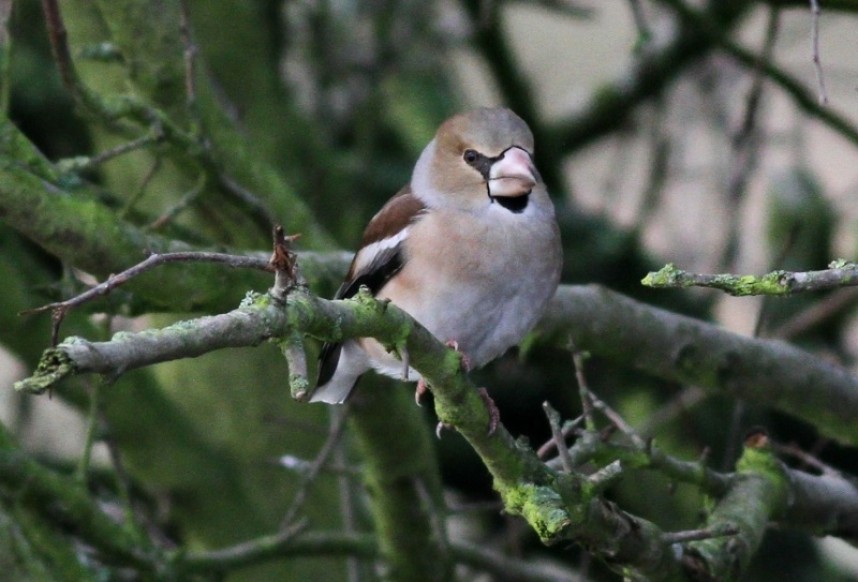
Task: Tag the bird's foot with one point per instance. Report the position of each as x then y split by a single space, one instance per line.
466 361
422 388
440 427
494 413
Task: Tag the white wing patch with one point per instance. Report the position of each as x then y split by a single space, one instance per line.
368 254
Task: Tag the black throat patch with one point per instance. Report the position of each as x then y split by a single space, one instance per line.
515 204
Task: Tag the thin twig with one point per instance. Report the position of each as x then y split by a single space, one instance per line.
556 434
283 262
154 136
567 429
583 389
644 31
80 164
246 552
123 486
141 189
618 421
814 47
682 402
187 199
659 168
60 308
693 535
832 305
347 506
334 434
91 429
804 99
189 54
59 45
257 208
301 466
606 476
807 458
591 401
745 144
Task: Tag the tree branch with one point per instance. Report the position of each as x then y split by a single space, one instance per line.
77 229
703 26
841 274
757 495
682 349
66 501
548 500
613 104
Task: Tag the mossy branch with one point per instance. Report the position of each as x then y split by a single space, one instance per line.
151 44
62 499
840 274
65 500
528 487
67 220
757 496
559 506
682 349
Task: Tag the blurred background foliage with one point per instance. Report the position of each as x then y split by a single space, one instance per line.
658 143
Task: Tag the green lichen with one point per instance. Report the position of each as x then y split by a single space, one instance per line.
254 298
739 285
746 285
841 263
54 365
541 506
667 276
762 461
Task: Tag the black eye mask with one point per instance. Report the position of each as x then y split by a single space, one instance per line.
483 164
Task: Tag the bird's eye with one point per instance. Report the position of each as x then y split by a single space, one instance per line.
470 156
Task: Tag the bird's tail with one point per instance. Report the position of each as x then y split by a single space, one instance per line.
340 367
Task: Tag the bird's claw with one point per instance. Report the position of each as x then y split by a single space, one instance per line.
494 413
422 388
466 361
441 426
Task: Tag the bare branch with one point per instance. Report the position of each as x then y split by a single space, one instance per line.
184 202
567 429
705 26
685 350
80 164
644 31
583 388
700 534
283 263
334 435
189 55
559 442
59 45
60 308
814 48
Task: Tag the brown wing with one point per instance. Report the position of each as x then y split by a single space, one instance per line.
380 255
379 258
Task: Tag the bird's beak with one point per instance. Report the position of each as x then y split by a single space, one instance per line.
512 175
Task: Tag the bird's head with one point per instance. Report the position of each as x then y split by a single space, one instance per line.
478 158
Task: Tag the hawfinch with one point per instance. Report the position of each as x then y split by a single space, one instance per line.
470 249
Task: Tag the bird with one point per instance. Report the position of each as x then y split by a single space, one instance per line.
470 248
